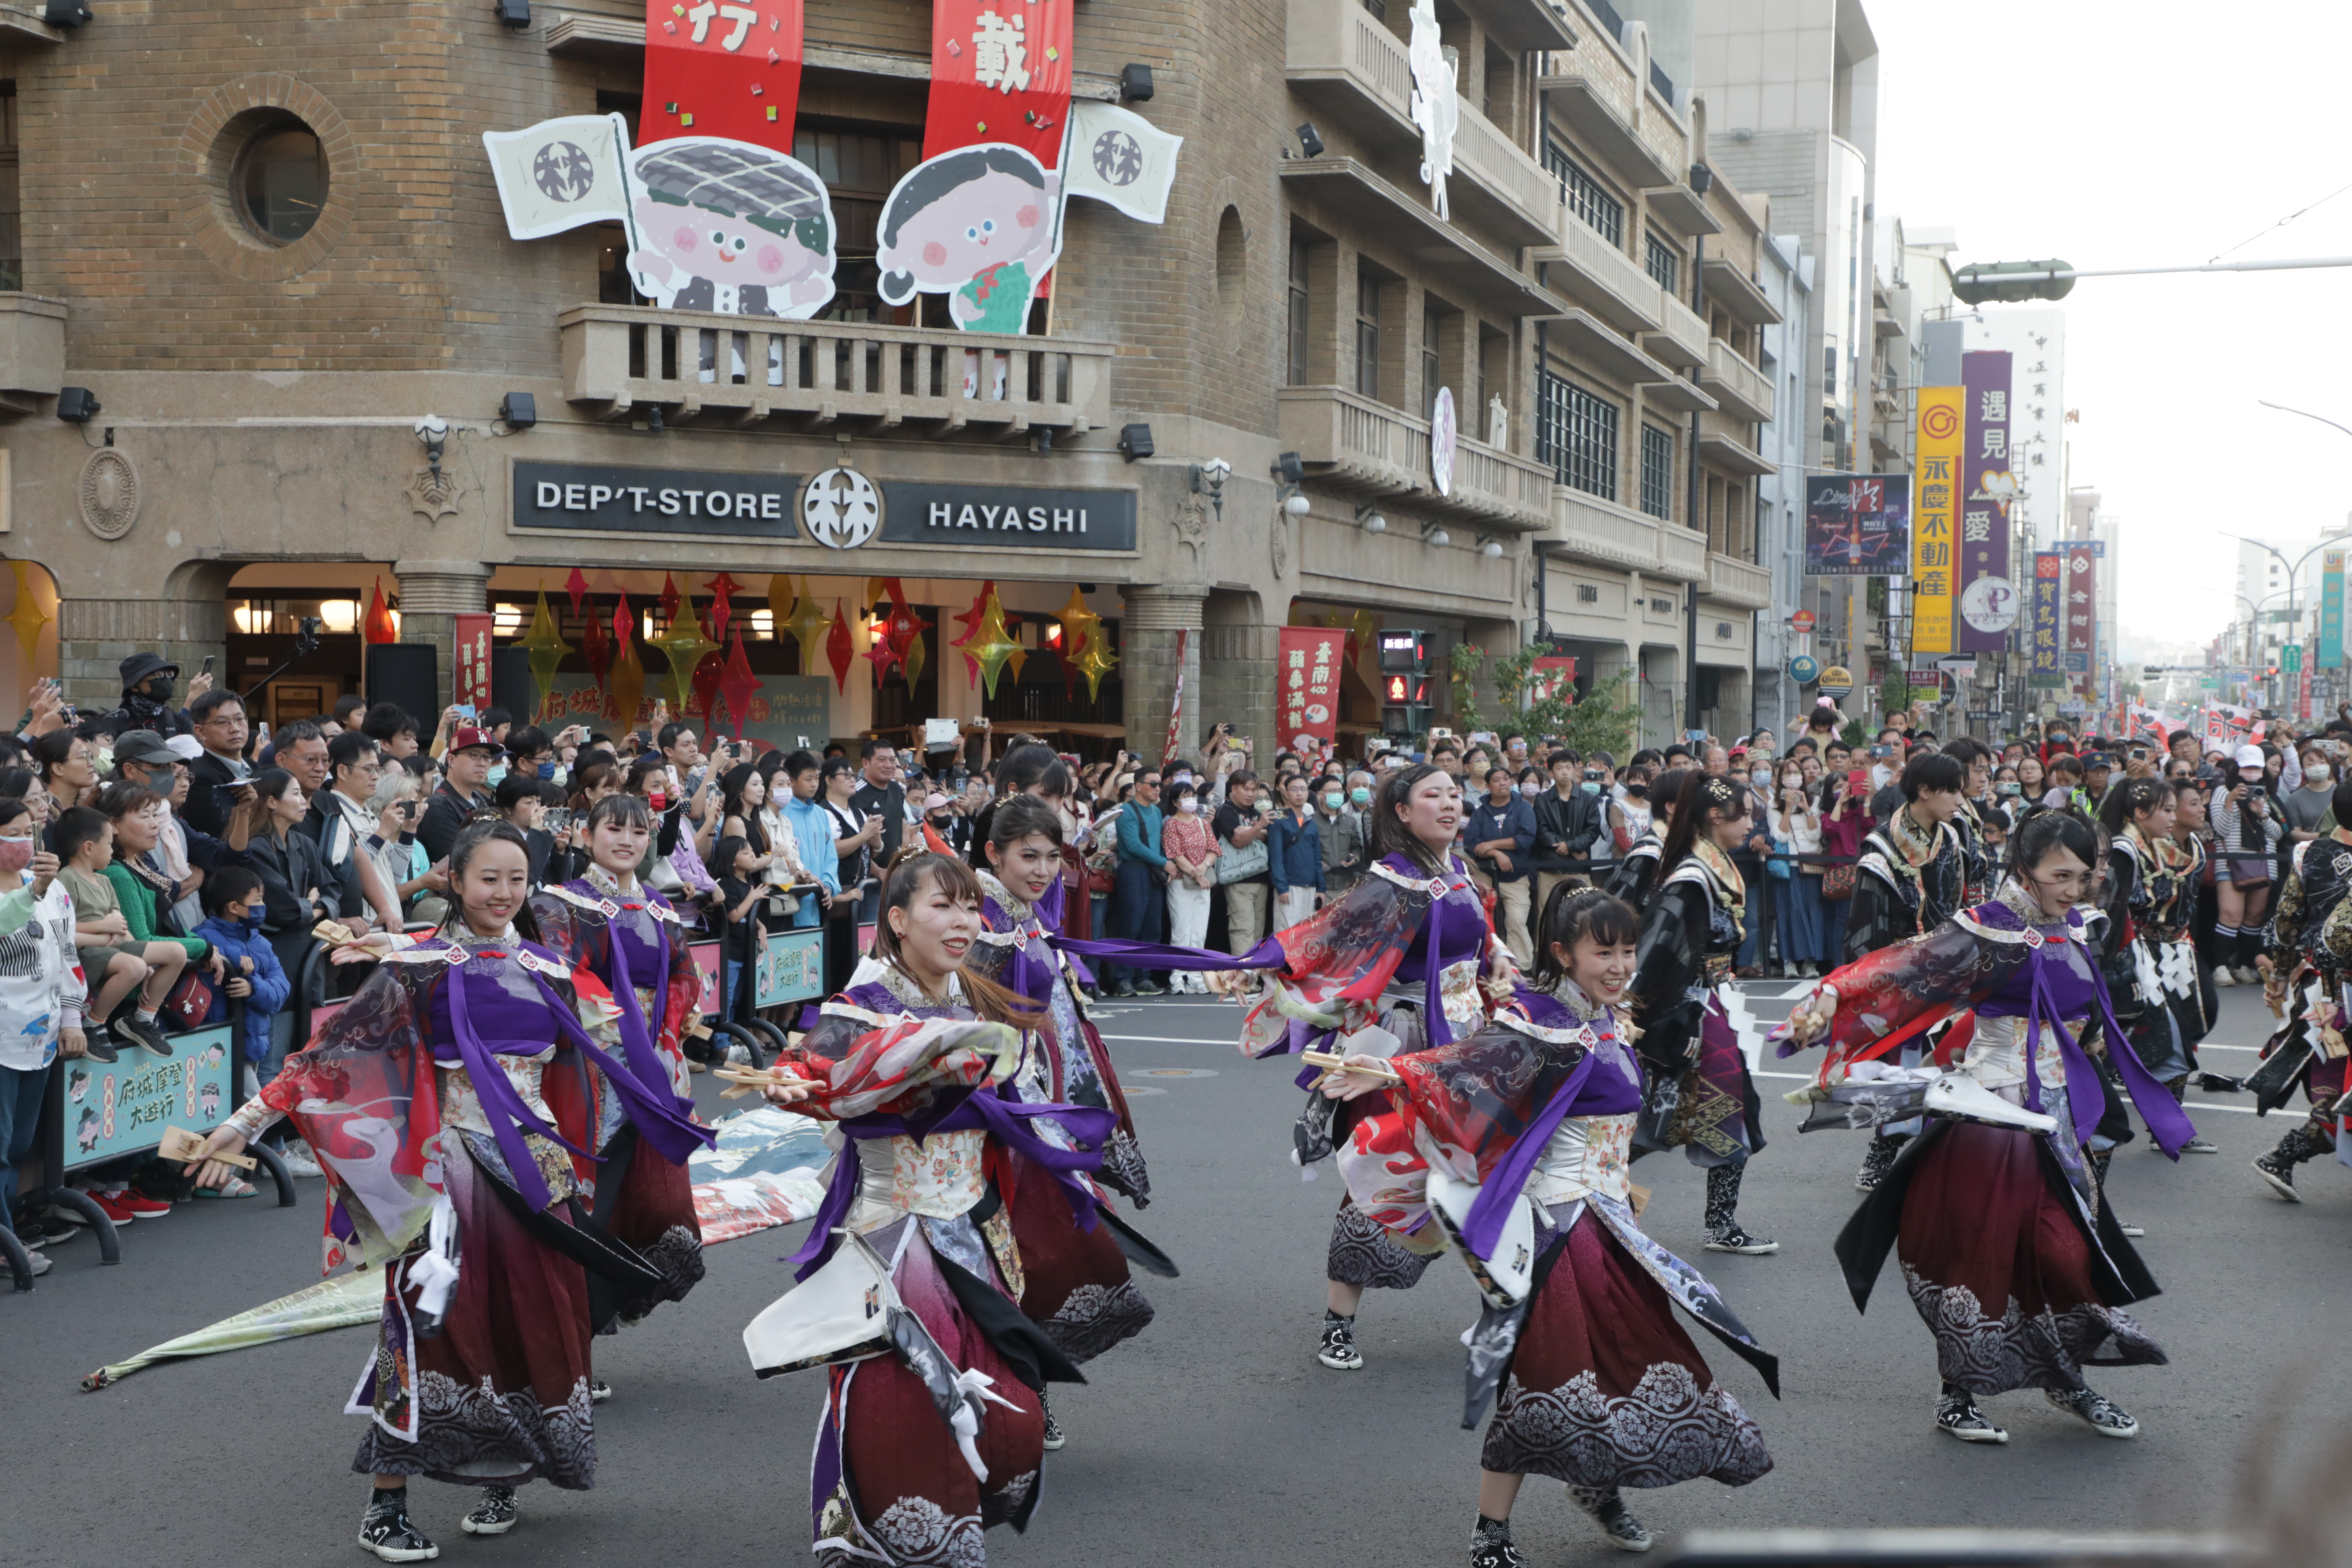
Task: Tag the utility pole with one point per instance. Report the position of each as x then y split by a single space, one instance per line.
1702 179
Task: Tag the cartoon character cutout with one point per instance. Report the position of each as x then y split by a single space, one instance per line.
77 1087
1436 102
86 1129
210 1095
981 225
729 227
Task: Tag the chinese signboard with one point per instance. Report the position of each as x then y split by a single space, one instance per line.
1988 598
790 969
2045 650
714 68
122 1107
1307 689
471 680
1857 525
1933 586
2331 609
2082 608
999 73
791 712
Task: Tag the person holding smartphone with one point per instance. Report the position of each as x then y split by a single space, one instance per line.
148 679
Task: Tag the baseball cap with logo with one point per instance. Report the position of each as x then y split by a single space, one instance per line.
469 736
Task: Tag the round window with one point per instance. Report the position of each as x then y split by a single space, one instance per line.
281 181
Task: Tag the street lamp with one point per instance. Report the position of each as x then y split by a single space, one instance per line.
2307 413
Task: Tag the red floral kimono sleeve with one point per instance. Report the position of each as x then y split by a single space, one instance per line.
1901 992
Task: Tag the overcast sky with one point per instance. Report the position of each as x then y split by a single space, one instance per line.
2142 134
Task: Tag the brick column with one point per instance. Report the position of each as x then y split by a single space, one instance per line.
433 594
1147 665
95 636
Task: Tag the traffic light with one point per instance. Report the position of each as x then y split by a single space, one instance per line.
2012 282
1404 661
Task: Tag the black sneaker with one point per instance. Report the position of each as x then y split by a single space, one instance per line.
45 1230
1150 988
599 1391
1054 1437
1490 1547
2098 1412
1731 1238
1607 1507
385 1529
145 1033
1958 1416
2279 1174
495 1514
99 1045
1338 1352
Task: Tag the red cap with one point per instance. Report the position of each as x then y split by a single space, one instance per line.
469 736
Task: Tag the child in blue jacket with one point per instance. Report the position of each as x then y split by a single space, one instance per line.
234 899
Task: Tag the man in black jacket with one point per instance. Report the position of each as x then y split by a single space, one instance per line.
1568 825
221 729
147 682
463 793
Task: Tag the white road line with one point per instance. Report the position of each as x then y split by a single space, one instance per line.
1168 1040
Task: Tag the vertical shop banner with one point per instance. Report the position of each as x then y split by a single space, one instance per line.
1857 525
1307 683
470 665
724 69
2045 650
999 73
2081 609
1935 512
1175 705
1988 606
2331 610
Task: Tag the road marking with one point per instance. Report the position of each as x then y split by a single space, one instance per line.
1172 1072
1166 1040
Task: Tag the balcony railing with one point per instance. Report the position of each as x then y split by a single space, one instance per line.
1596 530
1339 53
1682 554
619 356
1595 88
32 349
1353 442
1682 338
1602 279
1738 387
1736 581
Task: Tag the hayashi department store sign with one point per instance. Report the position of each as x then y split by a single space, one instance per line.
839 509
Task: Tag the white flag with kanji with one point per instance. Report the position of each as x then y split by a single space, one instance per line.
1117 156
561 174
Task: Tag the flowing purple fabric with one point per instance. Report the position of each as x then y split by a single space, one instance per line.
637 1047
982 1111
1266 954
1484 1227
2052 995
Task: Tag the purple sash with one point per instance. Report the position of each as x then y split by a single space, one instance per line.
2167 1122
1484 1227
637 1046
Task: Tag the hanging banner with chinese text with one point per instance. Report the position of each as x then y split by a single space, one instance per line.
725 69
1857 525
1988 606
1938 455
999 73
2081 609
2331 609
2045 650
1307 691
470 666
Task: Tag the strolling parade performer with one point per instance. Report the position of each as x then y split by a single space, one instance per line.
1913 876
2009 1251
1636 877
970 1207
1698 1096
1515 1140
1408 955
2304 975
459 1104
2148 952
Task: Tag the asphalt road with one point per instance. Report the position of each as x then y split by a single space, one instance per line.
1213 1438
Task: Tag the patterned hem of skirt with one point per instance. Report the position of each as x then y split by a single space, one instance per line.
1364 1255
1666 1431
1092 1318
2049 1349
475 1436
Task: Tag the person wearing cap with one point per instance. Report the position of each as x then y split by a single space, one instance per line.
183 854
2099 768
463 790
147 682
945 829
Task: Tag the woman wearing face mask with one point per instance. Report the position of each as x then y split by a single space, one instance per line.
1637 869
2146 953
2009 1253
1189 845
1796 842
452 1104
633 941
919 1040
1408 948
2246 833
1599 1386
1699 1097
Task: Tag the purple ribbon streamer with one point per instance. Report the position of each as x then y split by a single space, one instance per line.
1484 1227
985 1110
637 1047
1266 954
2167 1122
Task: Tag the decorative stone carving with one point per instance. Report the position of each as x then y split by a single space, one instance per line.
1190 521
109 493
1279 536
434 494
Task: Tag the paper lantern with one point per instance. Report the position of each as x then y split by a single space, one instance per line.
807 623
839 649
683 644
628 687
26 615
914 659
723 589
577 586
738 685
1095 661
970 621
545 642
378 628
992 648
1080 626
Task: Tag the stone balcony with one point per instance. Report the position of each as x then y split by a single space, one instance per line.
1595 274
1737 387
32 351
1608 99
1354 443
1587 528
753 368
1730 581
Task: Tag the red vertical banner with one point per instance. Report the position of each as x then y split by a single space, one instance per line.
470 677
1306 692
718 67
999 72
1175 705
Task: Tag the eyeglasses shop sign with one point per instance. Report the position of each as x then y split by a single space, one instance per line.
839 509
